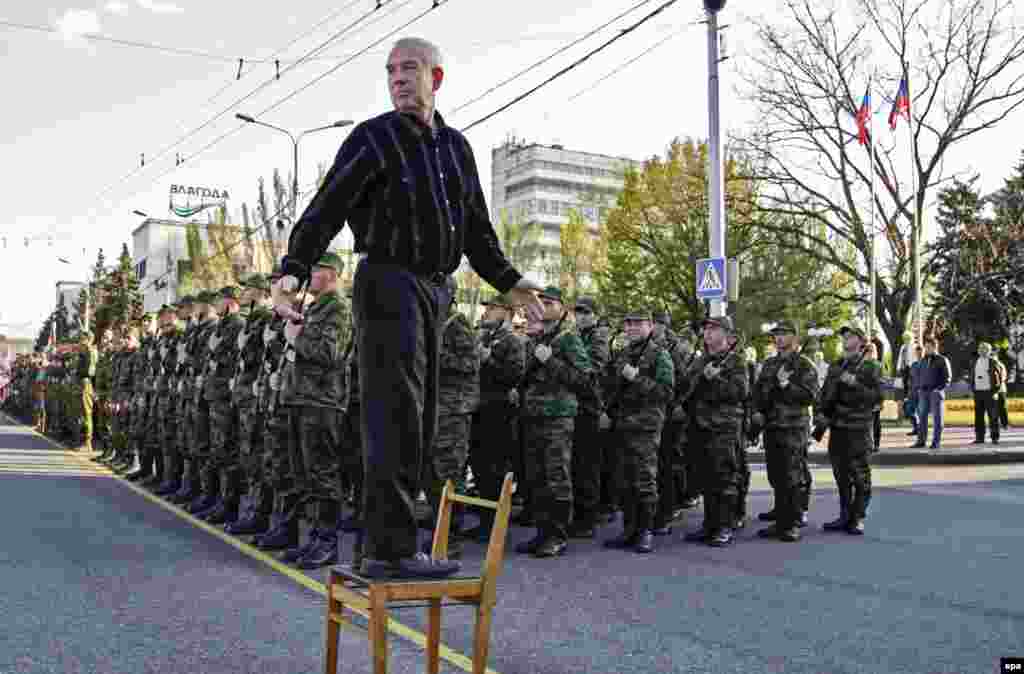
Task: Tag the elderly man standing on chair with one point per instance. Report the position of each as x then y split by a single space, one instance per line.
407 185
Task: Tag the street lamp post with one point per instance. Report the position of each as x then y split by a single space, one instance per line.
295 147
716 200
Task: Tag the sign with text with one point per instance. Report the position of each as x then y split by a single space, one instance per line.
188 200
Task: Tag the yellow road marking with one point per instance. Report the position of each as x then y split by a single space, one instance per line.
404 631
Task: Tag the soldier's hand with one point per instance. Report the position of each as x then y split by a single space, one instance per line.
292 331
242 339
275 382
269 334
213 342
181 386
199 381
256 389
848 379
163 352
542 352
604 422
783 376
485 352
513 397
629 372
286 312
711 371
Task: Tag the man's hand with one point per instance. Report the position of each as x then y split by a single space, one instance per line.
711 371
268 334
292 331
242 340
542 352
485 352
213 342
848 379
525 294
783 376
629 372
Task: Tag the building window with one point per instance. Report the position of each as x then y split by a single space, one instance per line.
140 269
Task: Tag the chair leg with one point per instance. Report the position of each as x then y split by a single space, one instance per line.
434 637
481 638
333 635
378 632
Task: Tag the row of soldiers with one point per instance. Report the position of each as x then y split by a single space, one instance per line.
223 398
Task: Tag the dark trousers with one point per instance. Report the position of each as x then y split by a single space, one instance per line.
610 477
985 404
669 451
313 442
784 450
494 450
1004 413
398 317
587 458
848 450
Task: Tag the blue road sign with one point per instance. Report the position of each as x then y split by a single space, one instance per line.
711 284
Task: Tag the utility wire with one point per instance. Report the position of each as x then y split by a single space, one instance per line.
550 56
218 139
624 32
633 60
252 93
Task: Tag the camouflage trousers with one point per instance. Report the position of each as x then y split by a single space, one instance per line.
221 469
198 449
277 476
351 459
251 427
447 458
587 458
121 423
87 408
639 461
547 453
848 450
167 423
785 449
670 470
140 425
314 444
493 449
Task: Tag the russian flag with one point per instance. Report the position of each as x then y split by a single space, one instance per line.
900 106
863 116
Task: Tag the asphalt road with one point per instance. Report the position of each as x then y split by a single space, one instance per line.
96 576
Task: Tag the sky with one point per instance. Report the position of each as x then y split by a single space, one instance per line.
80 112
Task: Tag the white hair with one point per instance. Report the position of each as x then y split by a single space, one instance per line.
428 51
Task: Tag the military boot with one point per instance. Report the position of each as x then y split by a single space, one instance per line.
644 537
702 534
189 485
298 552
168 487
324 553
254 524
627 539
482 532
583 525
855 526
226 510
531 546
723 533
202 504
551 546
839 524
767 516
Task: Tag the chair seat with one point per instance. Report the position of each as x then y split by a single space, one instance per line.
348 573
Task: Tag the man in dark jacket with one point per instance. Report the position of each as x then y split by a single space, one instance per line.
934 376
987 376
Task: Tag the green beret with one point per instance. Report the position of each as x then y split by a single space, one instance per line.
229 292
166 309
186 301
552 293
724 322
331 261
784 328
498 301
638 315
256 281
852 330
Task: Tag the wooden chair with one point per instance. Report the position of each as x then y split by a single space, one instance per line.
372 597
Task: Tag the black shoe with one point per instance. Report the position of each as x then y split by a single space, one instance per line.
529 547
837 524
417 566
454 548
351 525
552 547
769 532
855 528
721 538
137 476
324 553
978 442
678 514
995 441
933 446
912 433
151 482
184 496
297 553
283 537
918 445
662 531
249 526
623 541
202 504
739 523
222 513
803 520
697 536
691 503
605 518
167 488
767 517
581 530
790 535
644 542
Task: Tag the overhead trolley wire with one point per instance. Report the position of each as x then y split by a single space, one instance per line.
623 33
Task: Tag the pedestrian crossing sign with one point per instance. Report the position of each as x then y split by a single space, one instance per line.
711 284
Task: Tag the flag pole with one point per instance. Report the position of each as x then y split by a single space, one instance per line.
871 167
916 233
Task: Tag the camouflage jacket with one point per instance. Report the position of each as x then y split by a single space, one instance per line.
718 405
459 384
681 362
183 363
785 407
640 404
221 358
88 360
843 405
272 359
596 341
352 399
121 370
167 352
250 348
505 367
318 378
199 357
550 389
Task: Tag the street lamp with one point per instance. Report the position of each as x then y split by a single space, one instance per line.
295 146
140 214
716 224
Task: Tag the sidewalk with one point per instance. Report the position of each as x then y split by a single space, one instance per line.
956 449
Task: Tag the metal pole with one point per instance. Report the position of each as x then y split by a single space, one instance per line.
874 229
716 223
295 178
916 232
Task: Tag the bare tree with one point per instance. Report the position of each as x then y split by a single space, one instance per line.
963 59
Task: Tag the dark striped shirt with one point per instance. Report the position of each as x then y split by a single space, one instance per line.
411 195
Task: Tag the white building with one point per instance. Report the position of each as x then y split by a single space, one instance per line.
541 183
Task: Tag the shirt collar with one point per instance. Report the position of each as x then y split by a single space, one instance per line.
416 125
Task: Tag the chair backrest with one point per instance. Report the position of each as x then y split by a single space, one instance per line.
495 548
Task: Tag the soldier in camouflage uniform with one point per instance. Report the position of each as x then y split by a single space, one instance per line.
852 388
611 479
636 412
315 403
249 365
278 474
716 404
557 371
493 448
199 432
587 454
222 468
166 401
150 452
783 394
192 312
458 396
120 421
85 373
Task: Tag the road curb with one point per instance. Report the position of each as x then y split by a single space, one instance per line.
939 458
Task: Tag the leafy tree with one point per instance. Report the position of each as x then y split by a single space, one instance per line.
120 304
